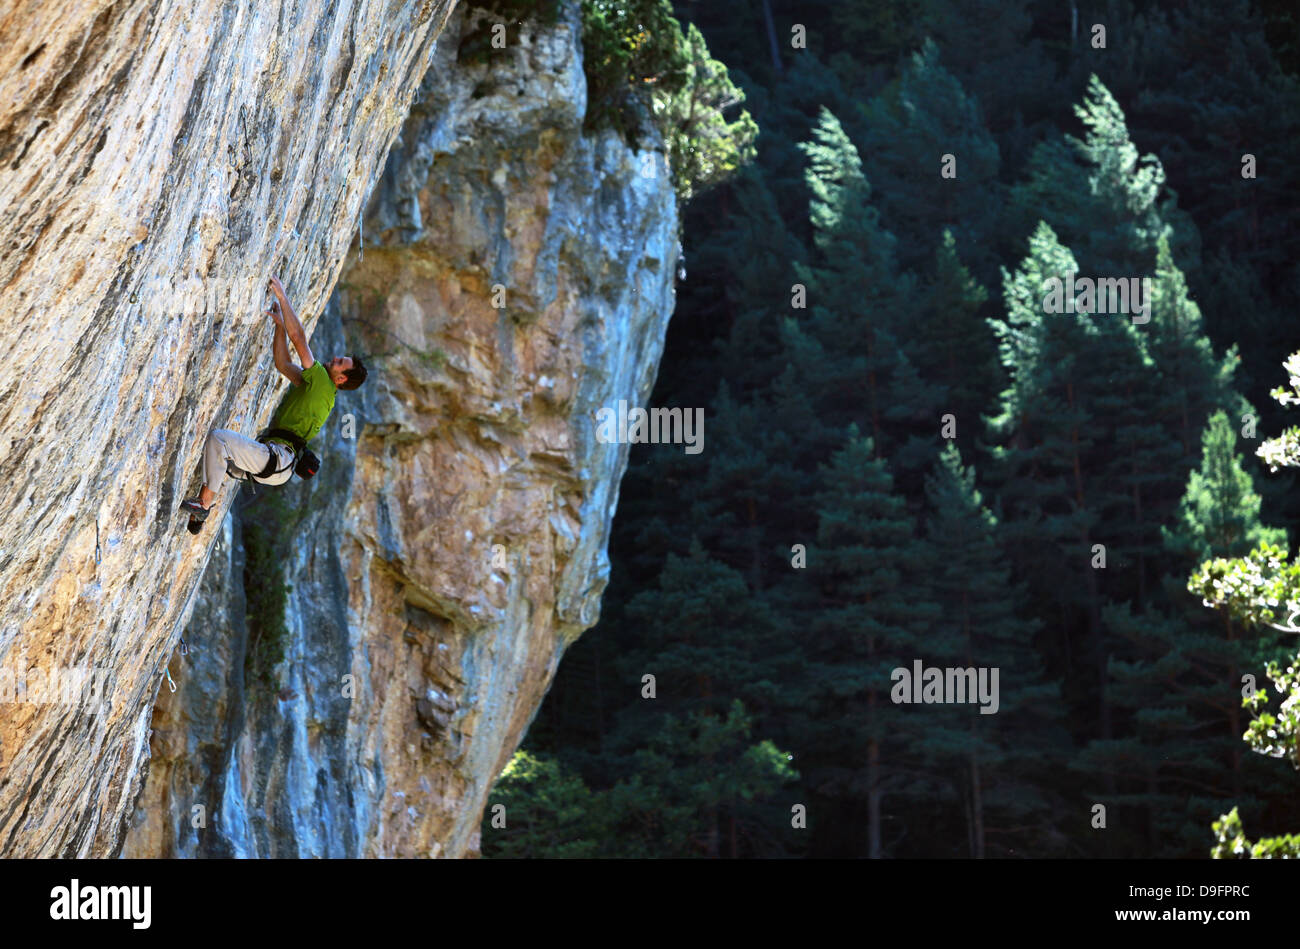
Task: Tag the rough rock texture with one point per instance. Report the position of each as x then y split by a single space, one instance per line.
450 552
147 145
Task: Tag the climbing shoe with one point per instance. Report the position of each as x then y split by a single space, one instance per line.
196 510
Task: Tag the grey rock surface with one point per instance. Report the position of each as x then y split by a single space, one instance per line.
517 275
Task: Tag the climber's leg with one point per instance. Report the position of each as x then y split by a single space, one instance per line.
222 446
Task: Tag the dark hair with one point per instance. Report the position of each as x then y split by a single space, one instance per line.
354 376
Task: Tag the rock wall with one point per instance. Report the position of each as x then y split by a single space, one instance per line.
516 276
158 159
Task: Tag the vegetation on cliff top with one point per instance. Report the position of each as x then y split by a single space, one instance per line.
641 65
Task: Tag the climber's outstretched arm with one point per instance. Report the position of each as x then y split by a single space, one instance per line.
292 328
282 360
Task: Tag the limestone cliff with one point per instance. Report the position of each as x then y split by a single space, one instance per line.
158 160
516 276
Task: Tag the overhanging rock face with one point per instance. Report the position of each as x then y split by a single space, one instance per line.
157 161
517 276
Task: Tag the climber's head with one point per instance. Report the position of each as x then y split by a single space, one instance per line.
348 372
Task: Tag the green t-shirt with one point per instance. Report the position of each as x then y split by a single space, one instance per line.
304 408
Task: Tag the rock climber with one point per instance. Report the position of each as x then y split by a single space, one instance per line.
270 459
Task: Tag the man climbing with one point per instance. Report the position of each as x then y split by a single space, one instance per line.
301 414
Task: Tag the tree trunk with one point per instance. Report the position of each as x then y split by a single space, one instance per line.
976 797
1094 594
873 785
1153 788
771 36
875 415
1141 534
970 818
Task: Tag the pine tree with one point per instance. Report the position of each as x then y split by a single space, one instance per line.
848 351
1107 204
702 786
717 646
754 259
952 345
1180 683
1202 114
1005 758
876 616
1069 373
1141 391
916 120
538 809
1158 417
979 38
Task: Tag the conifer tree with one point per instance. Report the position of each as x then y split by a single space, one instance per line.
1159 416
1181 676
910 127
1069 373
952 345
978 39
717 644
1203 114
1107 204
876 616
1004 758
860 306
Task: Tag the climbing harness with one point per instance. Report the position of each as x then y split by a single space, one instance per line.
305 462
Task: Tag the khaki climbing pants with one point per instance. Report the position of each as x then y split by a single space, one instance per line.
245 454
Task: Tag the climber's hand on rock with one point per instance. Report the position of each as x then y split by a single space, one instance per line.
274 313
277 288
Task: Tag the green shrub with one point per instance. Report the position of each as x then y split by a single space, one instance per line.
704 148
632 51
